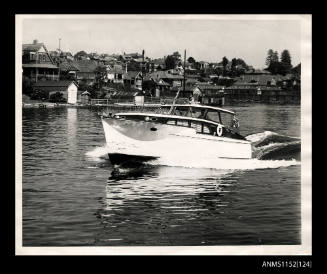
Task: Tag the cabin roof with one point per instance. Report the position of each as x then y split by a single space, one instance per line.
202 107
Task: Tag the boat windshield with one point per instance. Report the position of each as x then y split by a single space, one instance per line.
221 117
197 113
213 115
210 114
227 119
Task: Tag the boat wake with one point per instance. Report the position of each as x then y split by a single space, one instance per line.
269 145
98 154
270 150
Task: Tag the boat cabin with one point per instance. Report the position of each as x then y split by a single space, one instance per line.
204 119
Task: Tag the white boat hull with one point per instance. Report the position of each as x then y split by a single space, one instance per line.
148 140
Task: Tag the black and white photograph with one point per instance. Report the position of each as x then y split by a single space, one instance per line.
166 134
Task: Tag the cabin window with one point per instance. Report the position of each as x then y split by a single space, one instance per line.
206 129
197 127
213 116
171 122
181 111
198 113
182 123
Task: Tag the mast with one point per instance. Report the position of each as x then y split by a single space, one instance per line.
59 61
184 71
142 68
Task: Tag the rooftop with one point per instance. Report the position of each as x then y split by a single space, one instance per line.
85 65
45 65
32 47
131 74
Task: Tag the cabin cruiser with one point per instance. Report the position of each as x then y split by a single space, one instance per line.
190 130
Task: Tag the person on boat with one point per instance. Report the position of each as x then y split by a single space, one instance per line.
191 100
235 124
196 94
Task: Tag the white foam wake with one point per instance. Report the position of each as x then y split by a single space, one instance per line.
97 154
226 164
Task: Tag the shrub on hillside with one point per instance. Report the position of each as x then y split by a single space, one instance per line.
57 98
39 95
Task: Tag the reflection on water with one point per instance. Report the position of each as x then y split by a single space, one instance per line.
196 207
73 196
71 127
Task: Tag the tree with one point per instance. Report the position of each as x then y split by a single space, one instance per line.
297 69
80 54
100 73
133 66
170 62
225 63
279 68
234 64
197 65
269 58
39 95
82 85
274 57
27 85
57 98
286 57
191 60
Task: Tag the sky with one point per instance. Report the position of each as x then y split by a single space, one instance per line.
206 38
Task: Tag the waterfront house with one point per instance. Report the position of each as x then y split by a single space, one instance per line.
203 65
133 79
172 79
212 94
68 89
156 64
38 64
83 97
155 86
86 71
115 75
68 70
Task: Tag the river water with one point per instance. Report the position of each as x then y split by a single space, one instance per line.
71 197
